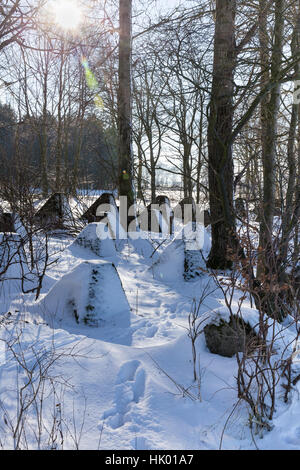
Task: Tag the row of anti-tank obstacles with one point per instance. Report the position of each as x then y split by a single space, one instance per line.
56 213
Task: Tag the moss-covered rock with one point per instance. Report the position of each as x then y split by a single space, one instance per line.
228 338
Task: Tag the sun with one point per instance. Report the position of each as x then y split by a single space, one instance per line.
67 14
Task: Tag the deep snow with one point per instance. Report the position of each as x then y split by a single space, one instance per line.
126 378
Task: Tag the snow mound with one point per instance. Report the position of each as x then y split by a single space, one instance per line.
89 238
12 257
91 294
137 243
170 264
13 267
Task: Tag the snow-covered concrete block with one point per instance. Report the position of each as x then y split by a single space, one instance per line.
91 294
157 218
94 237
55 213
186 210
182 256
193 264
91 238
100 208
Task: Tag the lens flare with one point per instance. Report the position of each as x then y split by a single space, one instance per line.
92 83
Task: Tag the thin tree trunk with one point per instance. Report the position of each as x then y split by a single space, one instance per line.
270 113
139 174
153 184
124 103
288 219
199 162
43 138
296 214
58 171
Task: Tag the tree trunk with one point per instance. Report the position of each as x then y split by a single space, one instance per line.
153 182
296 215
124 102
288 221
219 138
139 174
267 263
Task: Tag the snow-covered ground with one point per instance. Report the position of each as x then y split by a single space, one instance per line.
128 382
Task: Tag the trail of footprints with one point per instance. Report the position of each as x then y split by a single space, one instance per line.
129 389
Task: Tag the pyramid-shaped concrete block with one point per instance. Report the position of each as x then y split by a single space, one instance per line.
91 294
91 238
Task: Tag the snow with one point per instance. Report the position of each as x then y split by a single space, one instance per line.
5 206
170 265
126 378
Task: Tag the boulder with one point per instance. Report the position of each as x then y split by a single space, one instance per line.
226 338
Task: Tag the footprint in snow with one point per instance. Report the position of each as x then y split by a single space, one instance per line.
129 389
140 443
127 371
151 331
293 437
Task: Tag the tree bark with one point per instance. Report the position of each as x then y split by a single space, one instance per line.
219 138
